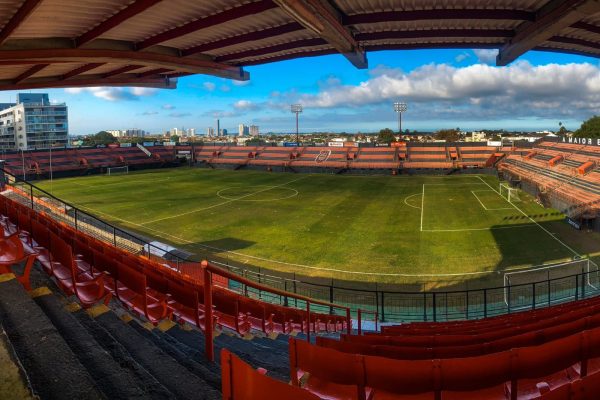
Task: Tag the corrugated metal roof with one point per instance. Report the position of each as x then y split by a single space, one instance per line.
154 39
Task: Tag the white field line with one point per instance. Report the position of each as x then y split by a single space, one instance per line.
453 184
134 181
166 236
483 205
422 206
222 203
479 200
535 222
408 197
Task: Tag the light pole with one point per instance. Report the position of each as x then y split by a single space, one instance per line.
296 109
50 140
23 161
400 108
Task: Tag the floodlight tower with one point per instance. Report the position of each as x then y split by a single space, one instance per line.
400 108
296 109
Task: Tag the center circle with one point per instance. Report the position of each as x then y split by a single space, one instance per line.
256 193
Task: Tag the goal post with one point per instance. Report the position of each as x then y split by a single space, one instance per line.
117 170
510 194
550 282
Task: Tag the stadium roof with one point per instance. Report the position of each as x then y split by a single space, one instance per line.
63 43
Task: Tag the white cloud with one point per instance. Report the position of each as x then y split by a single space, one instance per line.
519 90
209 86
245 105
114 93
241 83
142 91
224 88
168 107
486 56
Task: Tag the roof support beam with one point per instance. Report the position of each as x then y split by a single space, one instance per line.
247 37
148 59
549 21
156 71
122 70
323 19
31 71
220 18
90 80
272 49
80 70
21 15
130 11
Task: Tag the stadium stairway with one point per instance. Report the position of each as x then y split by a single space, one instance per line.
105 353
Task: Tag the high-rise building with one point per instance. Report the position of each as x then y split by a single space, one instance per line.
191 132
210 131
134 132
33 122
243 130
254 130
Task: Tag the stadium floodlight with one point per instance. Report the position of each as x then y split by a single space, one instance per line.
400 107
296 109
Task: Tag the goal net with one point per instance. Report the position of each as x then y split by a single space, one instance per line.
551 282
510 194
117 170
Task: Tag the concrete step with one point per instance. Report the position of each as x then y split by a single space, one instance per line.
54 370
116 380
177 379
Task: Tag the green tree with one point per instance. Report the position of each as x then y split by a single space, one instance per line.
174 138
101 137
386 136
589 128
449 135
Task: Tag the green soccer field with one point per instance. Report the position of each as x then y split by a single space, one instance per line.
443 229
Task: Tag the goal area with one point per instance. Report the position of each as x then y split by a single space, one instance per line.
509 193
545 284
117 170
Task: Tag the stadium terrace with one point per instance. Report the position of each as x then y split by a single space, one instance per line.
413 271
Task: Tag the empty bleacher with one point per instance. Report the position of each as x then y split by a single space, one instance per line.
566 175
374 158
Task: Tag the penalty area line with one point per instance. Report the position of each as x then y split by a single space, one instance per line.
534 221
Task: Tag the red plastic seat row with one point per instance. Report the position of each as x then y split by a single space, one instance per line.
565 311
151 289
332 374
463 350
88 289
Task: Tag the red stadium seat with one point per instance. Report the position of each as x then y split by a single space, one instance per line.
132 291
241 382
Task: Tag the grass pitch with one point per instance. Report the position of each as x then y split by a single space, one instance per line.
376 228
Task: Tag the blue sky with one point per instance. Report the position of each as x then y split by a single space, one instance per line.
443 89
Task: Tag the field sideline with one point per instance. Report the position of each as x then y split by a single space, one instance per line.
376 228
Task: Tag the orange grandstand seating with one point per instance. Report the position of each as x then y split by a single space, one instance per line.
515 372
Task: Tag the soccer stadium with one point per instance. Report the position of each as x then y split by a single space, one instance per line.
355 269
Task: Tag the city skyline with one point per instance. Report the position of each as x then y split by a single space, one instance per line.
444 88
